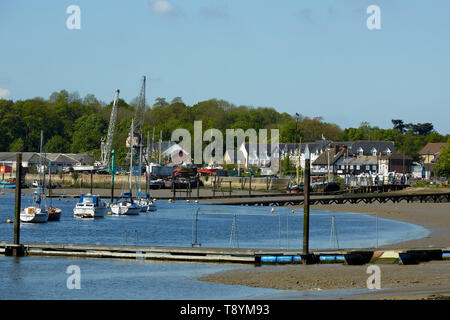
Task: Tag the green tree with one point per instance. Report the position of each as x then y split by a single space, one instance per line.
56 144
89 130
17 145
442 168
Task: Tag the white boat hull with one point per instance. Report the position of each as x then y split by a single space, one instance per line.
89 212
33 215
146 205
125 209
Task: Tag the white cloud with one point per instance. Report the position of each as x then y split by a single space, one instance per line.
4 93
162 7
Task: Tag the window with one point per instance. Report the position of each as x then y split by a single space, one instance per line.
374 151
387 151
358 167
374 168
360 151
367 168
351 167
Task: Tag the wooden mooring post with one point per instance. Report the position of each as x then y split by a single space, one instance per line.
17 249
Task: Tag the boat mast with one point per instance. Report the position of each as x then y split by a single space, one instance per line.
131 152
42 165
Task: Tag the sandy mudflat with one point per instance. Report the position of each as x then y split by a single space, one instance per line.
426 280
433 216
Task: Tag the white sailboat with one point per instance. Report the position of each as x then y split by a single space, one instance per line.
146 203
125 205
35 213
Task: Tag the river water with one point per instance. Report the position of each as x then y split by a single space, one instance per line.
173 224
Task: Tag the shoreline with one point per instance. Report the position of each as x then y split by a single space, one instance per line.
430 280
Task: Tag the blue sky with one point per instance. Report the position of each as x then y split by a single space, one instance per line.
317 58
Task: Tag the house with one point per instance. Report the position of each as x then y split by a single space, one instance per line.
357 166
234 157
428 170
177 155
258 154
417 171
394 162
328 160
291 150
58 161
370 148
431 151
168 152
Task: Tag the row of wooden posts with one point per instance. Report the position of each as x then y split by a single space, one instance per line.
18 249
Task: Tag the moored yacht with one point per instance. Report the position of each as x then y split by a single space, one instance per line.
34 213
125 205
89 206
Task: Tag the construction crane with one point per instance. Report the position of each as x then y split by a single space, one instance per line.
106 145
139 113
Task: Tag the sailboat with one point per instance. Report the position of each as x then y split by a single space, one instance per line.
35 213
54 213
126 205
144 199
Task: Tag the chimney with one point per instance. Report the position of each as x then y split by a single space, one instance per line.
336 148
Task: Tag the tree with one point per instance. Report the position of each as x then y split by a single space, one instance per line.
442 168
399 125
176 100
160 102
56 144
89 130
286 165
17 145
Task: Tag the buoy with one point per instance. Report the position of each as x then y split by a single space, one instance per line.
170 200
188 201
67 200
109 213
272 210
154 199
196 201
293 211
8 221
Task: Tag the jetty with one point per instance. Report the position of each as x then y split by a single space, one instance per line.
343 199
229 255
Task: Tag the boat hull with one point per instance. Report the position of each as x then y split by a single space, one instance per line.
54 214
125 210
33 215
89 212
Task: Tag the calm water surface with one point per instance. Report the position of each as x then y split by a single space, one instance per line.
172 225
